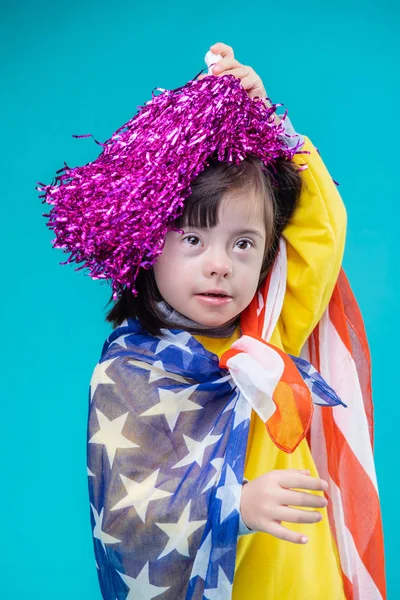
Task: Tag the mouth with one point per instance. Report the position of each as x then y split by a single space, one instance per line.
215 299
212 295
215 293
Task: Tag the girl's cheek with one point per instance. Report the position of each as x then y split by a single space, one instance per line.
250 259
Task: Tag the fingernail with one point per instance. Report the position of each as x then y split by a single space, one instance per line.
216 69
304 540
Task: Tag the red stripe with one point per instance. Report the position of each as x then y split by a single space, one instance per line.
353 313
345 316
251 323
348 588
337 318
360 501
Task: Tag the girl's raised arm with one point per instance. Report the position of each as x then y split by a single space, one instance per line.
315 240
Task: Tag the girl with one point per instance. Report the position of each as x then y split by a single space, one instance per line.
206 429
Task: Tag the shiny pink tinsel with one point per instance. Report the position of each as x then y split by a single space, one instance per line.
113 213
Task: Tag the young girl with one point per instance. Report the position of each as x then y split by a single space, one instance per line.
206 429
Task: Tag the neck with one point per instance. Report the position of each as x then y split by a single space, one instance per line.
175 320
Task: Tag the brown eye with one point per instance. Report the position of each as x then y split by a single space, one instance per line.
244 244
192 240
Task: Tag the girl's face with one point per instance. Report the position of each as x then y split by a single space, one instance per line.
225 259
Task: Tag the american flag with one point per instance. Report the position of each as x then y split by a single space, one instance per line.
342 444
167 437
341 440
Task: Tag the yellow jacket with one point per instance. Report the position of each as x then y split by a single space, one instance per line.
267 567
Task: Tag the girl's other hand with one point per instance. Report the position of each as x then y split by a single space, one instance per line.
268 500
228 65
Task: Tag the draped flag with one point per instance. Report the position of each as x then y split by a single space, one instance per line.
167 435
342 444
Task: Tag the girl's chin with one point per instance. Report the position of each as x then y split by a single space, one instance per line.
210 316
213 320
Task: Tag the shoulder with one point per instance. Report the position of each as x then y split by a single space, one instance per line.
125 357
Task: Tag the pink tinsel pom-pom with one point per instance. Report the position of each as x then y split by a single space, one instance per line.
113 213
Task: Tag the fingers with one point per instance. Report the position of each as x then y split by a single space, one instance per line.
248 79
295 479
223 49
224 64
294 515
292 498
228 65
286 534
241 72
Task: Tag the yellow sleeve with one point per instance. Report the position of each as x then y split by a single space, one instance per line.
315 240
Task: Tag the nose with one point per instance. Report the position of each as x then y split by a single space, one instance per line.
217 263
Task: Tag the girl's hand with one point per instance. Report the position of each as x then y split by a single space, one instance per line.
268 500
229 65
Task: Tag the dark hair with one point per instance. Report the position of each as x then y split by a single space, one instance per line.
280 187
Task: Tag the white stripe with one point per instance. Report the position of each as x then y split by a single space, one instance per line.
318 443
339 370
347 551
256 371
351 564
319 453
364 586
260 303
276 292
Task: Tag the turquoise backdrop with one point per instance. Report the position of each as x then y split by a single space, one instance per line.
85 67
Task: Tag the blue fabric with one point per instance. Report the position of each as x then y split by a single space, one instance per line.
167 438
321 392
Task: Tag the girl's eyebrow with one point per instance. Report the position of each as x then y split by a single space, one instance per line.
248 232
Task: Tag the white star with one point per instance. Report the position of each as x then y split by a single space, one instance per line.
179 533
217 464
223 380
202 559
157 371
173 339
110 435
172 404
231 405
98 533
100 376
140 587
140 494
223 591
242 411
120 341
196 449
219 553
229 493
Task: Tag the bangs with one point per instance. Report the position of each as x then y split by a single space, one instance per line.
201 212
211 185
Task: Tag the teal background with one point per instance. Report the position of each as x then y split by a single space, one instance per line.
84 67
